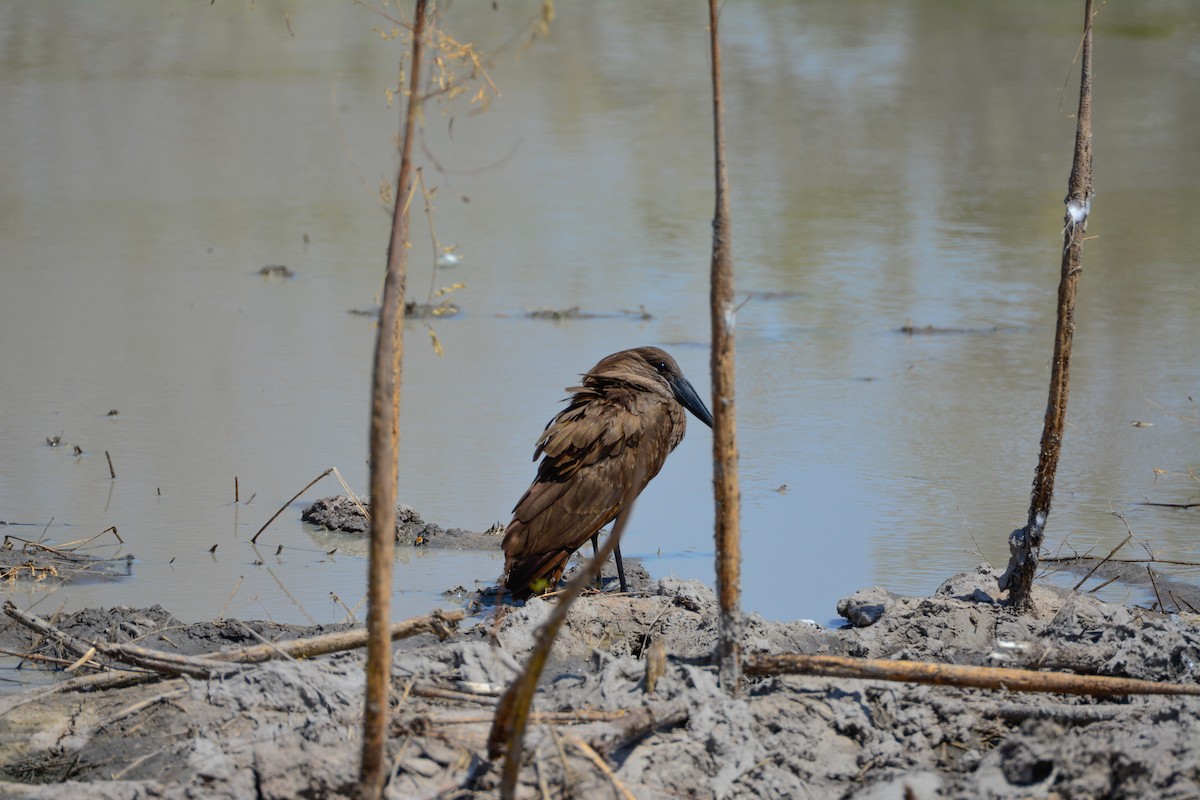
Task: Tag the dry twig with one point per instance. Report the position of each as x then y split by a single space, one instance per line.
1001 678
283 507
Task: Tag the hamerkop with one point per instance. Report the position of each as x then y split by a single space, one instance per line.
597 453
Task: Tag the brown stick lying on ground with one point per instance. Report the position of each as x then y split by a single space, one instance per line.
440 623
1012 680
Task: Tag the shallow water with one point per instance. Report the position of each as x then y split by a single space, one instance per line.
890 163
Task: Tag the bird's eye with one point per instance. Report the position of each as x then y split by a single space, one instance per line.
661 366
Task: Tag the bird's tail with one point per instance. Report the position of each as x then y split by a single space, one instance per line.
536 573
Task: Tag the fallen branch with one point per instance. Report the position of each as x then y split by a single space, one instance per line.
86 683
141 705
1001 678
1169 505
38 625
439 623
1085 557
61 662
432 692
66 555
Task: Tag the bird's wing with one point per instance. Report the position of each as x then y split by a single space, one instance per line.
593 450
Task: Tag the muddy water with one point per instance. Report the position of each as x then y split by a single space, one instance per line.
890 164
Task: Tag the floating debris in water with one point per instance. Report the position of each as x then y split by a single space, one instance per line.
574 312
413 309
276 271
912 330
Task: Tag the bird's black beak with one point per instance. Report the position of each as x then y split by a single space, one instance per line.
685 393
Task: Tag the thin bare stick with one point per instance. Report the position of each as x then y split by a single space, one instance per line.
35 623
287 593
726 494
385 445
439 693
1095 589
112 472
62 662
85 683
63 554
112 528
1085 557
78 543
543 787
1025 543
129 711
439 623
349 614
137 762
282 508
1154 583
263 640
1181 602
603 766
1101 563
232 594
1001 678
350 493
83 660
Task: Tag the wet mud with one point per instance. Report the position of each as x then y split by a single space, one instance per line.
344 515
290 728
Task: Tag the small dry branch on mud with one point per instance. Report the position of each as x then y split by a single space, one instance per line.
154 663
25 559
999 678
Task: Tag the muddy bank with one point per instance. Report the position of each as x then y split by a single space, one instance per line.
344 515
290 728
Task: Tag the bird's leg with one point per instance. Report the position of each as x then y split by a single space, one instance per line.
620 567
617 555
595 548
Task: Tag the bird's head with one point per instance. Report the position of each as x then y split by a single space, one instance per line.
653 369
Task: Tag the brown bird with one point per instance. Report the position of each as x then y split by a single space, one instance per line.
603 448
